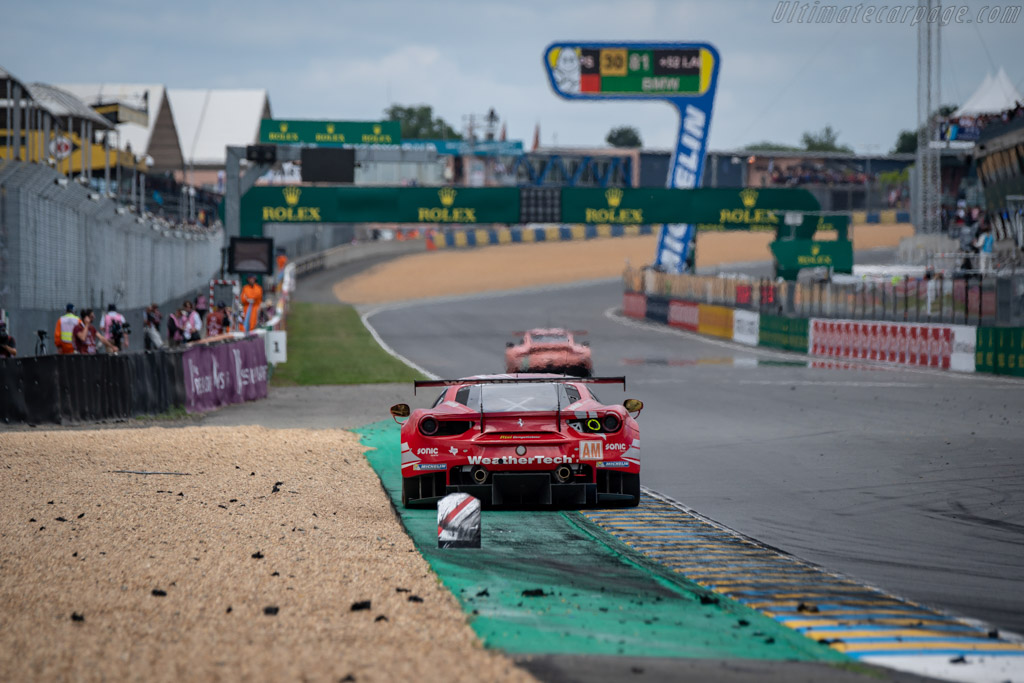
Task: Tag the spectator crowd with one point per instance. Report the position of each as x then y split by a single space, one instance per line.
969 128
817 174
195 320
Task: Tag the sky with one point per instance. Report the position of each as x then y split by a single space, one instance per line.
345 60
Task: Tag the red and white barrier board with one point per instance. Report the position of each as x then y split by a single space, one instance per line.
634 304
950 347
684 314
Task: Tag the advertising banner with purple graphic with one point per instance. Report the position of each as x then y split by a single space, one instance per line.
225 373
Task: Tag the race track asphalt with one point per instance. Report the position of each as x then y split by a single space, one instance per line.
909 480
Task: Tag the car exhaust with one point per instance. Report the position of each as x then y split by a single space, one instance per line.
563 473
479 475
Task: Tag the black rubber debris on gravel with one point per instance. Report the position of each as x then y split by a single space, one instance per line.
270 611
75 616
277 485
257 555
159 593
381 617
347 679
361 605
228 610
61 519
276 574
81 515
402 590
415 598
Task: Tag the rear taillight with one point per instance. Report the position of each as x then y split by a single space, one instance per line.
606 424
430 426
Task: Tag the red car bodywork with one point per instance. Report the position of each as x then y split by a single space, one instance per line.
535 439
549 350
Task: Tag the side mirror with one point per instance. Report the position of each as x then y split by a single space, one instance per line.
586 343
509 345
633 405
400 410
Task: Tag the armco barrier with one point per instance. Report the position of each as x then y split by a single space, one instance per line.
776 331
1000 350
358 251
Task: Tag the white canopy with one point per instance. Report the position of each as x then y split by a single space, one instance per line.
995 94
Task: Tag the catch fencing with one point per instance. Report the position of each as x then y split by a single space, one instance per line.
61 242
974 300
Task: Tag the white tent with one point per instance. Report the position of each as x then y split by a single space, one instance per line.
210 120
995 94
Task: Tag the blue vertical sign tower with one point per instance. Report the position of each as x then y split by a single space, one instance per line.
683 74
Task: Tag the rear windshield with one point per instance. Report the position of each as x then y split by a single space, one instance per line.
507 398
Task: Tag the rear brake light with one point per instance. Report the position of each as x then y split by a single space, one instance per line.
606 424
432 427
429 426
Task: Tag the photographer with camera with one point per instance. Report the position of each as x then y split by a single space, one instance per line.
8 348
86 336
115 327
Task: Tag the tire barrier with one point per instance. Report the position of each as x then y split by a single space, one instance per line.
71 389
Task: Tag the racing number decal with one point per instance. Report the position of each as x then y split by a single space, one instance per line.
591 450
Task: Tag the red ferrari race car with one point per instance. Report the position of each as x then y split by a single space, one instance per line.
549 350
529 439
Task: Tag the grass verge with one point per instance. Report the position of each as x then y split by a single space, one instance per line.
328 344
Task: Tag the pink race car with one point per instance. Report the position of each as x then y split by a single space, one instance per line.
516 440
549 350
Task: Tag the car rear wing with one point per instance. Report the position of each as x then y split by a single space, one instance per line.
518 380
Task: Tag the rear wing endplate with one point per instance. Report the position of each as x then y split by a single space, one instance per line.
514 380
